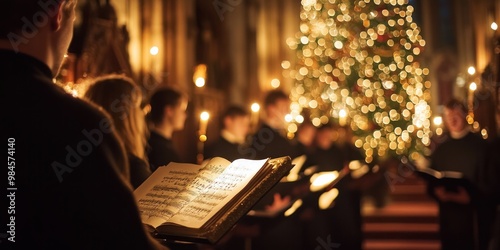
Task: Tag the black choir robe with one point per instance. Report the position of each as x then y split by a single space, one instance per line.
161 151
69 193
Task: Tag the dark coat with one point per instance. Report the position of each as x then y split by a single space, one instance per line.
67 188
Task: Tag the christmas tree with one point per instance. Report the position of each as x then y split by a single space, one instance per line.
357 64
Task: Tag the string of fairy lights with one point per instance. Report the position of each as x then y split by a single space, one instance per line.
356 62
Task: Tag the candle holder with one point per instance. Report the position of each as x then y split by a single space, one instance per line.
470 101
202 135
255 116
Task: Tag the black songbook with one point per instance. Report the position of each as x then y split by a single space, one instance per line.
450 180
200 203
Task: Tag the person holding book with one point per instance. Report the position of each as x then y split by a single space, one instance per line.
270 141
494 187
341 221
464 152
67 188
306 132
120 97
235 122
168 114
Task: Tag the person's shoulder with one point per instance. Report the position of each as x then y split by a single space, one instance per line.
217 144
477 138
219 141
82 110
475 135
157 138
57 105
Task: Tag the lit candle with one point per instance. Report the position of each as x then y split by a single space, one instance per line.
200 75
204 116
471 70
255 114
494 26
470 116
342 117
154 52
438 121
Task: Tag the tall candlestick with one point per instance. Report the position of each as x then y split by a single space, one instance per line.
154 53
438 122
204 116
200 75
255 115
470 116
202 132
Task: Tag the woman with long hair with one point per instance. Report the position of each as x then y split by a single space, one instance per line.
121 98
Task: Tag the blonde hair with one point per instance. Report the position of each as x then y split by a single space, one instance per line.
120 97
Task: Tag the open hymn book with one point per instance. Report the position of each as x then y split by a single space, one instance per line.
450 180
200 203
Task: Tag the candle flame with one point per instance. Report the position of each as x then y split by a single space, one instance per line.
204 116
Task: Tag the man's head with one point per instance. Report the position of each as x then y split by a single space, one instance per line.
306 133
42 28
454 117
277 106
168 106
324 136
236 120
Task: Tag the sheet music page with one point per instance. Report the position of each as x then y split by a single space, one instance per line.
160 192
213 197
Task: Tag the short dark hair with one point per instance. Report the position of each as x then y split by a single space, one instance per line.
233 111
456 104
326 126
164 97
15 14
273 96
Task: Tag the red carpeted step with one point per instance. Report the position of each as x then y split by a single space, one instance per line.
401 245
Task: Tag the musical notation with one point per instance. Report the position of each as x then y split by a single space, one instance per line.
191 195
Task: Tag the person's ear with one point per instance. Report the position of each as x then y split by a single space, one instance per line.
228 121
271 110
168 111
56 20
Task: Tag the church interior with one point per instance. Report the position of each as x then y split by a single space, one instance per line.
223 52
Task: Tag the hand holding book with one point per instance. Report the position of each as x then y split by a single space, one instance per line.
448 186
461 196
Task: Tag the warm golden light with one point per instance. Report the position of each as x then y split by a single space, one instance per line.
484 133
199 82
203 138
154 50
321 180
387 107
473 86
494 26
200 75
275 83
296 205
438 121
298 163
254 119
471 70
342 113
326 199
308 3
204 116
255 107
